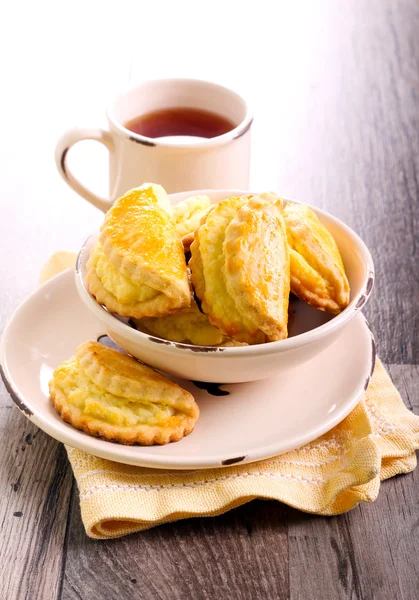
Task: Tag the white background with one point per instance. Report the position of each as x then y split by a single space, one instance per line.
61 62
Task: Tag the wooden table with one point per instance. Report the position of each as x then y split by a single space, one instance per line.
336 91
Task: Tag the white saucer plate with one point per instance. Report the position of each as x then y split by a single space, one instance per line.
239 423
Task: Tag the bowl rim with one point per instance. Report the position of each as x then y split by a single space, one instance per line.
300 340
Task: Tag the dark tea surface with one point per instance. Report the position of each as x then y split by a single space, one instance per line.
192 122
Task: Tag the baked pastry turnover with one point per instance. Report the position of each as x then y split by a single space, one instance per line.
247 254
110 395
240 268
188 326
137 268
188 215
317 272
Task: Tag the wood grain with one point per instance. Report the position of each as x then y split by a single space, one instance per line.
35 488
353 148
200 558
370 552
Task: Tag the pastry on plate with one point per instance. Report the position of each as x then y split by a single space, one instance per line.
317 272
188 215
110 395
138 268
240 268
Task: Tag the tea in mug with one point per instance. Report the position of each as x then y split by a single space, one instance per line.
185 122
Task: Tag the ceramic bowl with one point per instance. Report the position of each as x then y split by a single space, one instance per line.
311 331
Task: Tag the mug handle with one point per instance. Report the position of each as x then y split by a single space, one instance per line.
69 139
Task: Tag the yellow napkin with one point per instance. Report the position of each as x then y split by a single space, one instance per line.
328 476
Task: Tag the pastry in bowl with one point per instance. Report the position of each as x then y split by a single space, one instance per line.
187 326
317 272
240 268
188 215
138 268
312 332
110 395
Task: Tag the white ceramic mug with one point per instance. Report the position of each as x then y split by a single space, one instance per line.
219 162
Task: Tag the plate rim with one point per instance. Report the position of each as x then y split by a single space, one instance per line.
88 444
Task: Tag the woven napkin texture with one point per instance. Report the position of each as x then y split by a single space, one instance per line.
328 476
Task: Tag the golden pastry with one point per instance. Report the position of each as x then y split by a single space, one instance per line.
137 268
188 326
257 265
207 265
188 215
110 395
317 272
228 342
240 268
159 194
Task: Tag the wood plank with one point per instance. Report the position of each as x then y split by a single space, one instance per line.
352 147
243 554
372 551
35 479
35 489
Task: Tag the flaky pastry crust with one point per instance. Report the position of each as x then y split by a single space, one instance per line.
317 272
110 395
